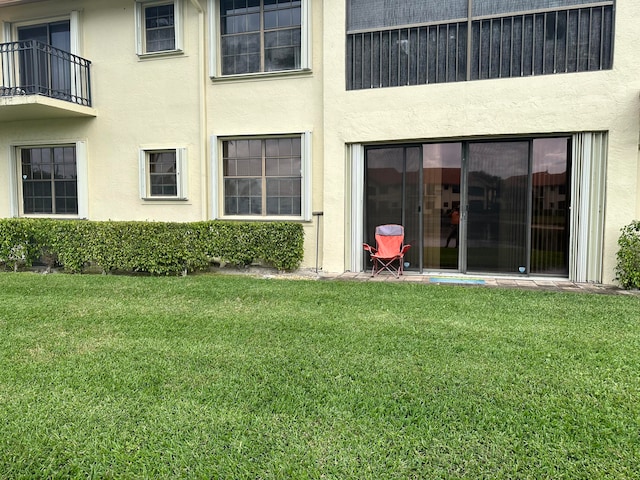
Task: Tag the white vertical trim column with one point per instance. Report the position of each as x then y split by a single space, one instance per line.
139 26
182 173
356 214
13 181
597 207
75 33
74 23
213 38
7 70
578 232
587 206
305 47
307 167
214 182
5 32
142 160
82 170
178 24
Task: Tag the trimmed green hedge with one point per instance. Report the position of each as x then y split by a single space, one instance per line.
628 256
157 248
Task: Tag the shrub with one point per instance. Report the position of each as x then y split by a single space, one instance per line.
628 256
153 247
19 243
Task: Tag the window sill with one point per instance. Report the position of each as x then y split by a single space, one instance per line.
159 55
303 72
259 218
52 216
165 199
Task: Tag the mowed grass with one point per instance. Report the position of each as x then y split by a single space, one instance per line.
234 377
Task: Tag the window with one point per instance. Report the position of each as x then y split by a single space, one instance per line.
265 177
50 180
158 27
414 42
162 174
258 36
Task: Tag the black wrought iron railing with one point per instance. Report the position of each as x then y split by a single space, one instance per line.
510 45
35 68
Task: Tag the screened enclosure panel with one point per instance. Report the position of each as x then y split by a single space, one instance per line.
495 7
416 43
368 14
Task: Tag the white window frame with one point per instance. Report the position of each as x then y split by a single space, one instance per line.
181 173
82 182
141 43
215 68
217 178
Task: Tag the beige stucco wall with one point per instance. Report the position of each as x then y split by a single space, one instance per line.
140 103
166 101
171 102
607 100
278 104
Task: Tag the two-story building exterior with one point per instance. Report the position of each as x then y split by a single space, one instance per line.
339 114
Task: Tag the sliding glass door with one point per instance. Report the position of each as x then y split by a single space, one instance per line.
45 70
442 172
483 206
393 193
497 207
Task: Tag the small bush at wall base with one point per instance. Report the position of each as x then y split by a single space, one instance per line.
152 247
628 256
18 245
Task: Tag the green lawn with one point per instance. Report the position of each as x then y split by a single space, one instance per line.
241 378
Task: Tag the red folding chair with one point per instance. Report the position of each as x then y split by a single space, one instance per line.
389 251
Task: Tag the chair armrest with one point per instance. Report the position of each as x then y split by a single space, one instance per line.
369 248
404 249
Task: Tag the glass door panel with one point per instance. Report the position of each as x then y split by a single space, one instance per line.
44 70
442 164
384 182
33 61
497 211
411 219
392 181
384 173
550 207
60 60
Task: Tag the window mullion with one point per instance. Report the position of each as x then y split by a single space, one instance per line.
469 37
53 188
53 183
262 41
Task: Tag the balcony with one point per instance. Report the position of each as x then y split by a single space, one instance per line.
38 81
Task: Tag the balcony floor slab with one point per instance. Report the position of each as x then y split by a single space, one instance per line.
36 107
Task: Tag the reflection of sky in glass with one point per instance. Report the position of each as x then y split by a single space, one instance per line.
500 159
385 158
442 155
550 155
